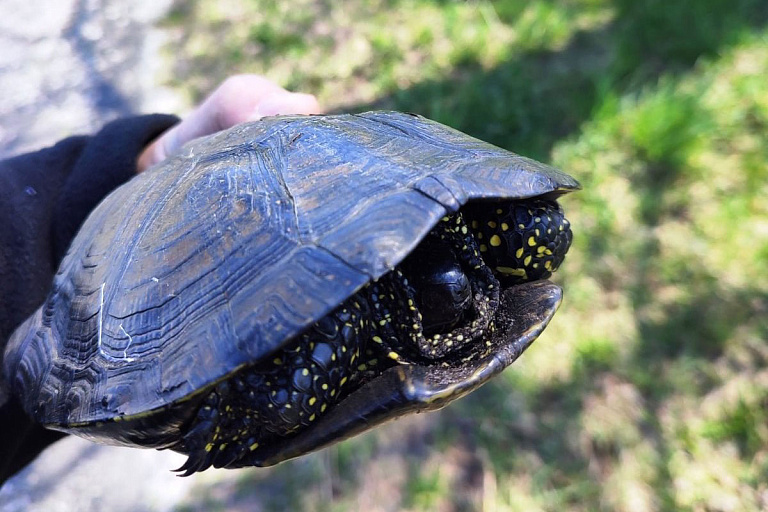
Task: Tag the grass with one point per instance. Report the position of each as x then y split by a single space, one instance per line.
649 391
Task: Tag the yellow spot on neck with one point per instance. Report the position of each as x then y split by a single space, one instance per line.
520 272
495 241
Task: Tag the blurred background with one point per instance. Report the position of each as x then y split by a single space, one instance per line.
649 390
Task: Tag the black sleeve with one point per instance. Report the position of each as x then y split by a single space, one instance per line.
44 198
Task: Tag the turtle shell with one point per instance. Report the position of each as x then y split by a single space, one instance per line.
224 253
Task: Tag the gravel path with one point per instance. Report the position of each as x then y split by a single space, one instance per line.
66 67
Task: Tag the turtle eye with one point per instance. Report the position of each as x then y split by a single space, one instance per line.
522 240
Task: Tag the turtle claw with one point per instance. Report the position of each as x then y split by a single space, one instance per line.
224 459
201 457
194 443
196 462
197 441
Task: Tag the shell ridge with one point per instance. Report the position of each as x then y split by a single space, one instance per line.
376 119
280 148
458 140
341 260
432 187
426 194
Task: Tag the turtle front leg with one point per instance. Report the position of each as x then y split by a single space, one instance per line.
278 397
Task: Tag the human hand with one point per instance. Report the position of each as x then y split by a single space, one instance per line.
238 99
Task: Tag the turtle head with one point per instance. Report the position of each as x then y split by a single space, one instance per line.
444 296
520 241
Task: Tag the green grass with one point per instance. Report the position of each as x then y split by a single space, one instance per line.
649 391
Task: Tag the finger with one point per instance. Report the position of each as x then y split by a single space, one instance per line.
229 104
285 103
238 99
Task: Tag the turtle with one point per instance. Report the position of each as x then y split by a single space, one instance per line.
292 282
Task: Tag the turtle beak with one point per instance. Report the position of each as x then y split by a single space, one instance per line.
525 310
